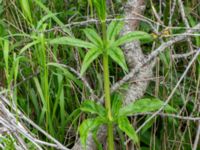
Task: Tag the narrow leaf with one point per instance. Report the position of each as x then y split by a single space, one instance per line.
66 72
89 58
116 104
114 29
55 18
117 55
84 129
27 46
87 126
92 107
101 9
136 35
6 55
144 105
93 37
26 9
126 127
71 41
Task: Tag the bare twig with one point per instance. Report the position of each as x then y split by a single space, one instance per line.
172 93
154 54
93 96
196 138
190 118
184 55
18 127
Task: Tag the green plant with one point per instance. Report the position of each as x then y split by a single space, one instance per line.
41 63
108 46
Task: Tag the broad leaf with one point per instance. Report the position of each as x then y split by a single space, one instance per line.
126 127
94 108
114 29
87 126
136 35
93 37
71 41
144 105
89 58
117 55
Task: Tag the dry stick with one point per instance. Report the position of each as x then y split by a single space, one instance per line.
154 54
190 118
9 121
172 93
83 23
183 13
196 138
185 55
59 145
172 12
185 20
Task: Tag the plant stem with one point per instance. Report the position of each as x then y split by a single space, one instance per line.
107 90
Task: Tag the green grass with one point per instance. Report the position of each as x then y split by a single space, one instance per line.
51 95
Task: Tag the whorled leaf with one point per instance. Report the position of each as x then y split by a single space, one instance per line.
91 55
144 105
93 36
101 9
88 126
131 36
90 106
114 29
126 127
71 42
118 56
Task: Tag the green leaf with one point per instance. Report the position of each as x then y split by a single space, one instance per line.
144 105
44 18
71 41
27 46
117 55
94 108
84 129
148 124
6 55
101 9
55 18
136 35
26 9
126 127
87 126
89 58
66 72
116 104
93 37
114 29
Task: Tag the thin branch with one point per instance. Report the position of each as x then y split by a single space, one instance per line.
172 93
94 97
188 118
21 115
196 138
151 56
185 55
